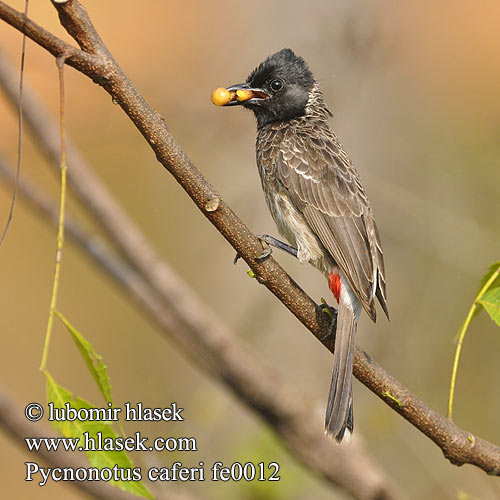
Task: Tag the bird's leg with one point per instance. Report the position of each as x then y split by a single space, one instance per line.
273 242
268 242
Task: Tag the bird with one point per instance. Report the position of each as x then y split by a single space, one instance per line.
317 201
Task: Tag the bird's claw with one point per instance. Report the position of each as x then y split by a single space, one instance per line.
267 248
264 255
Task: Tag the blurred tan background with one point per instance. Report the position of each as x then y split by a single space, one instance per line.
414 89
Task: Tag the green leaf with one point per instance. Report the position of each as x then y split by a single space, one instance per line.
496 283
59 396
491 302
491 269
93 361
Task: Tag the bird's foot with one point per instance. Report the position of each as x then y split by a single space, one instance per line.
268 242
263 238
273 242
263 256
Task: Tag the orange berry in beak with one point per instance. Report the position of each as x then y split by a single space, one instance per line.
244 95
221 96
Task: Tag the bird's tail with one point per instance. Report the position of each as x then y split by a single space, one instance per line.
339 413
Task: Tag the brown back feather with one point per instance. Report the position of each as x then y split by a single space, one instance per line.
324 185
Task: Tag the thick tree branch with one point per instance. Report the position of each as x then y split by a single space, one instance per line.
457 445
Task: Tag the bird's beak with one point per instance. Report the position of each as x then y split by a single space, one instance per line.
241 93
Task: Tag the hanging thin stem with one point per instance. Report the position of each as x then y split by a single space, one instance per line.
19 132
60 230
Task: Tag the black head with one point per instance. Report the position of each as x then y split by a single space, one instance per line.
281 87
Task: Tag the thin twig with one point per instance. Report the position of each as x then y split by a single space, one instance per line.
456 444
60 225
19 132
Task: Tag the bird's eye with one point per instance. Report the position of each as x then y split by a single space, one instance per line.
276 85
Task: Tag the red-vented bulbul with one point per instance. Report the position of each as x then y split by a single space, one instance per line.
318 204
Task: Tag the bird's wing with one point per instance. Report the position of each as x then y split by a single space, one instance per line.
325 187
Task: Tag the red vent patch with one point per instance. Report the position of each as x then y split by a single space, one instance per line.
334 284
